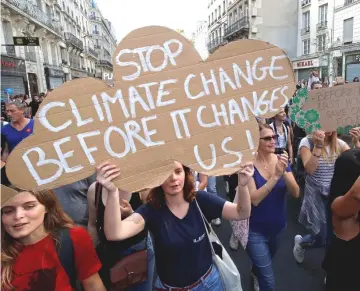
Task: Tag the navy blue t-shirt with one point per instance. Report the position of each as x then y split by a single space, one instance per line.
13 136
182 249
269 217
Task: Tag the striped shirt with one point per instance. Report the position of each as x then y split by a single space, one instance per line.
325 170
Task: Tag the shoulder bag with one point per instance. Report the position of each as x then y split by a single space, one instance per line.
130 270
229 273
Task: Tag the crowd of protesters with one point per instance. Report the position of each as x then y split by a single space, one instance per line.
83 235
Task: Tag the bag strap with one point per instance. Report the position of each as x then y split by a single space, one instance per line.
207 227
65 252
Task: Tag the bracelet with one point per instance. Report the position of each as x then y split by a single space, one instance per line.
318 156
318 146
267 187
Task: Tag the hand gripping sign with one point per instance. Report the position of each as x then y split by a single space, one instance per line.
165 105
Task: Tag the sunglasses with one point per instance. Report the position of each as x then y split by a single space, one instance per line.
269 138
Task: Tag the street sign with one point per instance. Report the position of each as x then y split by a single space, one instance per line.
26 41
9 91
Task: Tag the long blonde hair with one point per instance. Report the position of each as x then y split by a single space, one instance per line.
335 148
55 218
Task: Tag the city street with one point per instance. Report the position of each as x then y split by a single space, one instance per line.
289 275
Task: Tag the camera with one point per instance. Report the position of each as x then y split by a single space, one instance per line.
279 151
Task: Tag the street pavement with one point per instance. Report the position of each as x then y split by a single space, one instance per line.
289 275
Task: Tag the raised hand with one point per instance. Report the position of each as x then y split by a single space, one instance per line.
355 134
126 208
281 165
245 174
105 174
318 138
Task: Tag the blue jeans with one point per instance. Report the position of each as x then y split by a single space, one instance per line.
211 186
147 285
261 249
210 283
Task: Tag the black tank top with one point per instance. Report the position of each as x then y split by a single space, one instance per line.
116 246
341 264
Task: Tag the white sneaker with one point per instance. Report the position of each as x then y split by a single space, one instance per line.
216 222
298 251
256 283
325 281
234 243
226 186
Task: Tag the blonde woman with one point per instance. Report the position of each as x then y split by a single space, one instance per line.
32 223
318 153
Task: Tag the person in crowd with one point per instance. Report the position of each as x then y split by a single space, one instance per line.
34 104
14 132
283 133
73 199
19 128
318 153
211 188
111 252
31 258
182 248
356 79
268 187
314 77
343 254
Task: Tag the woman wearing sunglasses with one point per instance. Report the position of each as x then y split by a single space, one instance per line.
271 181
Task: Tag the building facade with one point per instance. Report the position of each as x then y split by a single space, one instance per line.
328 39
200 39
103 36
230 20
66 49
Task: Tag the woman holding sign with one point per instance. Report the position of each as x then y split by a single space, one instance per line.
268 187
41 249
318 153
182 249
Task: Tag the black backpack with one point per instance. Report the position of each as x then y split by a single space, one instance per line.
65 251
300 169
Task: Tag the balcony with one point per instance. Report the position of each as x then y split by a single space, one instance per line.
8 50
237 27
215 43
30 56
305 3
96 32
305 30
97 47
95 18
33 12
346 4
91 52
321 25
106 62
73 40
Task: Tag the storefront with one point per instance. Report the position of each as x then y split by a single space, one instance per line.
78 74
13 75
54 77
352 66
304 67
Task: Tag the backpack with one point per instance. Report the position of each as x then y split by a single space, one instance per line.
300 169
65 252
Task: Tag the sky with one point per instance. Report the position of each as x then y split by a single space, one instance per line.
127 15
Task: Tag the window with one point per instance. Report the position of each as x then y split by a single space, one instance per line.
306 46
212 17
323 13
224 8
348 30
306 20
215 14
219 11
209 19
235 15
241 13
321 42
230 18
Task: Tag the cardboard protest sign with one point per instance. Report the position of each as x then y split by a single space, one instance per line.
165 105
330 109
6 194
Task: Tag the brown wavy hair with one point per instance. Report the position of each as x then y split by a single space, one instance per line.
55 218
156 196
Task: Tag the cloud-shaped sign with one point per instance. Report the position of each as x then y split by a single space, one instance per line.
166 104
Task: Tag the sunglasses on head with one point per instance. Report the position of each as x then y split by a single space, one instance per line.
269 138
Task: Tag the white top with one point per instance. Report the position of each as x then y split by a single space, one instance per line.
282 141
325 170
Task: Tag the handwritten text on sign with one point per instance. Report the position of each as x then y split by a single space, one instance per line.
166 104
